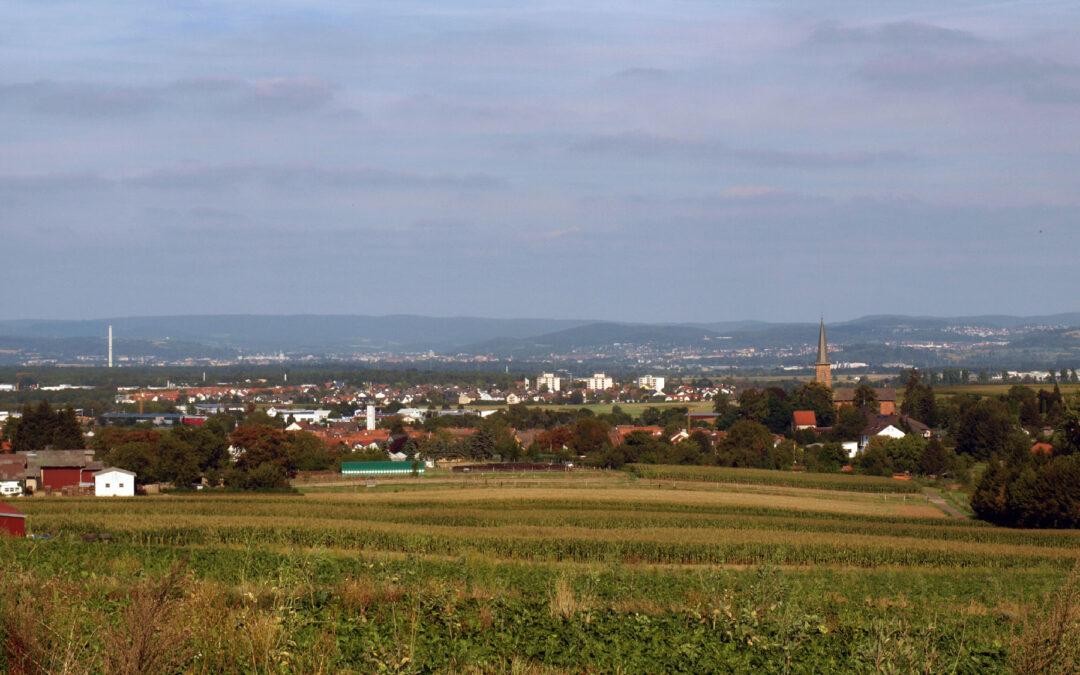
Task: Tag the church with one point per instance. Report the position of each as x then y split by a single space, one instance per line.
886 397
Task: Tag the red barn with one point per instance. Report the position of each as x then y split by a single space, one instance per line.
55 470
12 521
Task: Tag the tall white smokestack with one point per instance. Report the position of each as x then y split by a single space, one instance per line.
371 418
110 346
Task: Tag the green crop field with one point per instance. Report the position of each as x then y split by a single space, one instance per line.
669 570
999 389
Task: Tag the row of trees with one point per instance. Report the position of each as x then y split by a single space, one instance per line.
42 427
1030 490
262 455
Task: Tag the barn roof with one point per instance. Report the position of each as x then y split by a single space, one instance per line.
10 511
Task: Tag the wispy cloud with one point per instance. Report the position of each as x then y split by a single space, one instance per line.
906 34
103 100
983 68
648 146
551 235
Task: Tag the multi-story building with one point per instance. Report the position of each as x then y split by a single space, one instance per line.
553 383
651 382
599 382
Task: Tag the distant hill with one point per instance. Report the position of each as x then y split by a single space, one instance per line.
596 335
989 340
294 332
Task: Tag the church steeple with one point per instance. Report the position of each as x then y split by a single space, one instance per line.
822 369
822 346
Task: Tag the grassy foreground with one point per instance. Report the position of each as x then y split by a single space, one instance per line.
602 575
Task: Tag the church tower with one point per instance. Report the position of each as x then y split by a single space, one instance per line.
822 369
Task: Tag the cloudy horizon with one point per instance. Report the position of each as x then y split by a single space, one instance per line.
660 162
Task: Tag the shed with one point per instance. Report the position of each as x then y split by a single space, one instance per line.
113 482
12 521
379 468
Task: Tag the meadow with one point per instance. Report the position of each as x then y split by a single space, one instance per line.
590 572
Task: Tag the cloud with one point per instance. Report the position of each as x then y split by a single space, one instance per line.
92 100
217 178
644 75
558 234
903 34
648 146
53 183
224 176
79 99
286 95
983 68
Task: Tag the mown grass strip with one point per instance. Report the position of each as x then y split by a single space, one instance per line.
820 481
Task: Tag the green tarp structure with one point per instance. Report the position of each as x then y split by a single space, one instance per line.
379 468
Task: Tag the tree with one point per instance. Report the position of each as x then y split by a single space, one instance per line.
721 403
67 432
817 397
589 435
747 443
850 422
827 457
262 444
310 452
983 429
935 459
482 443
175 462
778 418
35 430
865 396
1024 403
905 453
754 406
1027 491
919 400
10 430
874 459
137 456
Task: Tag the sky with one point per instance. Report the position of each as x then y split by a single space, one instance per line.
635 161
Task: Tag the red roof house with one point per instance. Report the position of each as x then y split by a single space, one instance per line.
804 419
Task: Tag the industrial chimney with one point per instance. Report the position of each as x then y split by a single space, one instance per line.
110 346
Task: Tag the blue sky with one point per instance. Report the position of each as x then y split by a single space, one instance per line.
646 161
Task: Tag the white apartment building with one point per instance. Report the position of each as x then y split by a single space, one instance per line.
553 383
651 382
599 382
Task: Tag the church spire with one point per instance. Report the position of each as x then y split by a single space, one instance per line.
822 346
822 369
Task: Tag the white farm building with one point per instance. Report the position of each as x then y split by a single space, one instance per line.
113 482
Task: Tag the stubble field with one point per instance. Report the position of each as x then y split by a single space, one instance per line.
578 573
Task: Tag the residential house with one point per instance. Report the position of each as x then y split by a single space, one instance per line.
892 426
803 419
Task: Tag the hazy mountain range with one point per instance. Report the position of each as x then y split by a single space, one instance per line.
873 338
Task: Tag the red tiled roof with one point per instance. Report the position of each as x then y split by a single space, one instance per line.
805 418
1044 448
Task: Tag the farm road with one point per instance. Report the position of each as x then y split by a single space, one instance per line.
938 501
